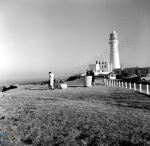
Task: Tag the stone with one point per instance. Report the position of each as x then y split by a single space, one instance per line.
2 88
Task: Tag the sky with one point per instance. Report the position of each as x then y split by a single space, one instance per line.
64 36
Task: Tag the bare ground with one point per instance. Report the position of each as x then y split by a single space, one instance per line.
96 116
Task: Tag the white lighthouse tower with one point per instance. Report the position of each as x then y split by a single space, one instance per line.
114 52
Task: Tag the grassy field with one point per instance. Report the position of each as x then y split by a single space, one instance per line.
76 116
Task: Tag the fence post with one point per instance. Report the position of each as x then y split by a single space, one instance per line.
134 86
122 84
119 83
140 88
130 85
114 83
147 89
126 84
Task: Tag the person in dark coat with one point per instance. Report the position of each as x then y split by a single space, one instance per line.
88 73
93 77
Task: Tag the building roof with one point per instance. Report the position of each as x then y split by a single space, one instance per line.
144 67
132 68
118 68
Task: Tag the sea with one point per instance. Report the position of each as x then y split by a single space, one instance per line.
14 82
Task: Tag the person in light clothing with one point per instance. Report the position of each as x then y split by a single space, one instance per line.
51 80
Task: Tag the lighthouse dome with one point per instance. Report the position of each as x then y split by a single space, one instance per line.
113 35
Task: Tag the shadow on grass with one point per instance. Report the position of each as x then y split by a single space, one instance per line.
100 84
133 106
128 143
131 100
74 86
48 98
144 94
36 89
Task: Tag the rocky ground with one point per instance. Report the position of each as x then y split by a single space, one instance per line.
87 116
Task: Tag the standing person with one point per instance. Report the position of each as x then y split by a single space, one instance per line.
93 77
51 80
87 72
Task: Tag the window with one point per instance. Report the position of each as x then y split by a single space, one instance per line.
129 71
146 71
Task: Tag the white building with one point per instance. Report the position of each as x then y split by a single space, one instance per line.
100 67
114 51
